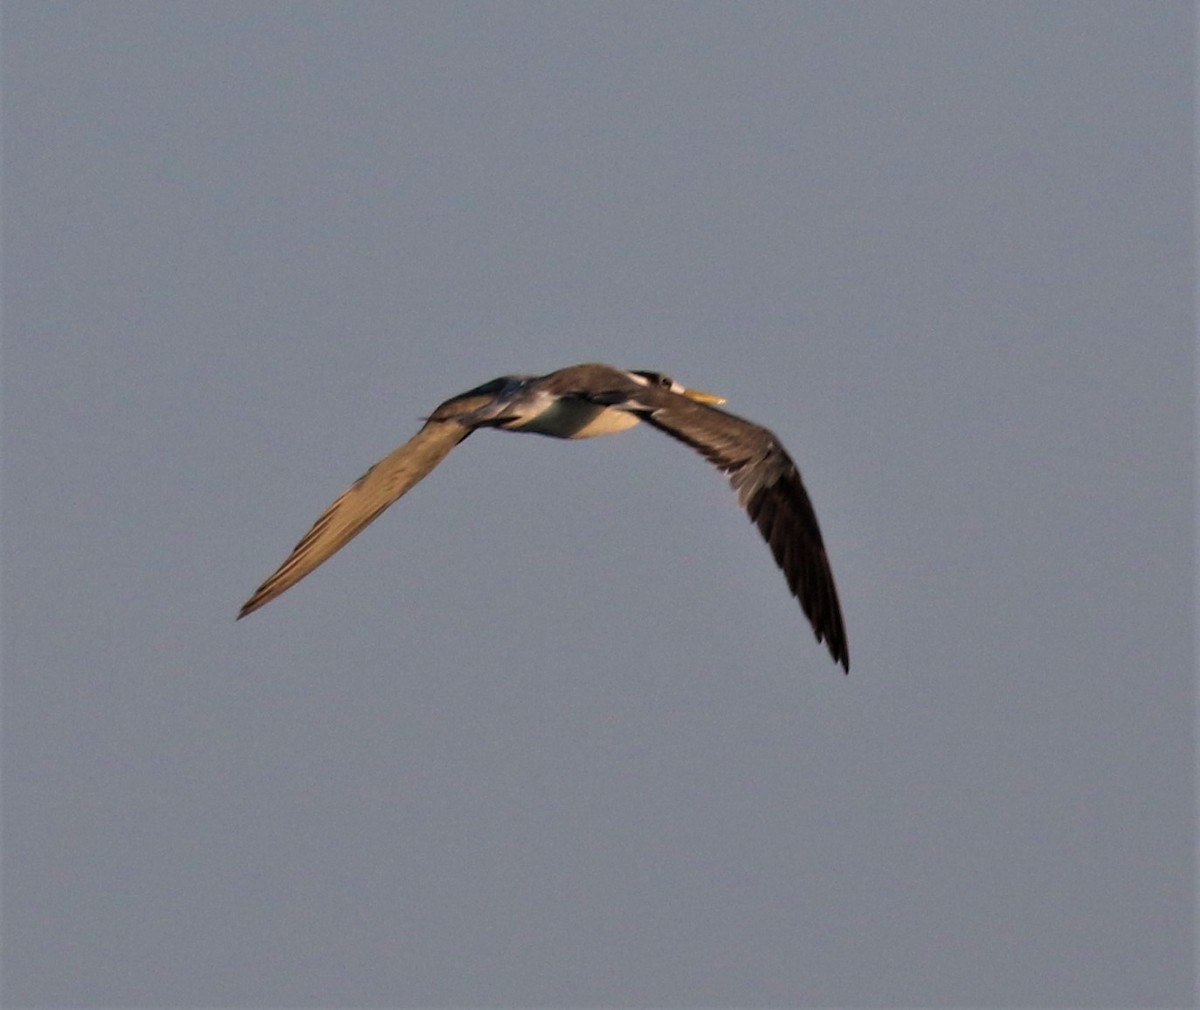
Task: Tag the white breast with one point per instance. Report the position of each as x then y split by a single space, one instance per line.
576 419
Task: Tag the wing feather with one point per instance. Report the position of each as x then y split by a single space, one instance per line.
361 503
769 488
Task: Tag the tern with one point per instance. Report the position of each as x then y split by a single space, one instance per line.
584 401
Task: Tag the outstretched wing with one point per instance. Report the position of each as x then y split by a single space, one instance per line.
769 489
361 502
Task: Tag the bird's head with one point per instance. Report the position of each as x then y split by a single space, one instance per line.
666 382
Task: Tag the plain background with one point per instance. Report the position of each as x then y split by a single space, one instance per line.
552 732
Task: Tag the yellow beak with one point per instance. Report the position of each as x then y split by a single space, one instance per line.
702 397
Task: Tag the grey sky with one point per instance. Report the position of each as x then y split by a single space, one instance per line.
552 732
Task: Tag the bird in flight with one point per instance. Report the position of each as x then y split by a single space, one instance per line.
583 401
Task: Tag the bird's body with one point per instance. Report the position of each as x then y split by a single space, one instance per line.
584 401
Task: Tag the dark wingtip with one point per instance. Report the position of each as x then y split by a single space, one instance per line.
837 649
